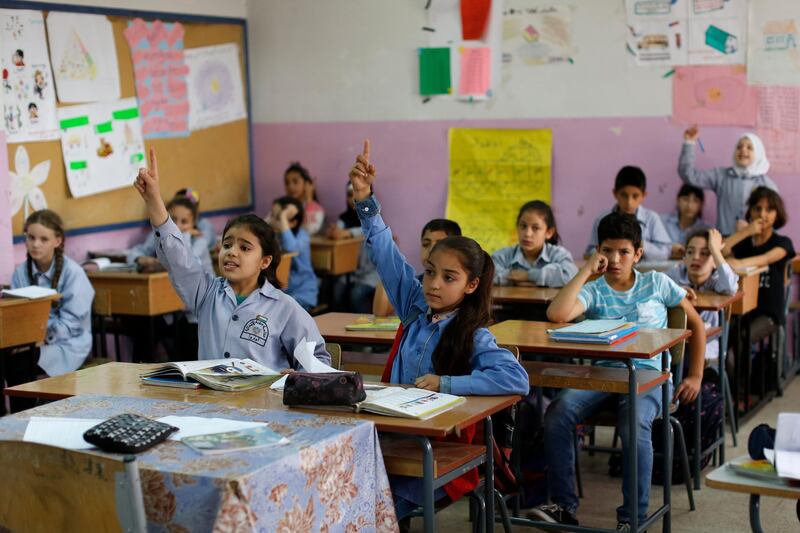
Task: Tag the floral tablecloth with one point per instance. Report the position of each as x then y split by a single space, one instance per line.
330 477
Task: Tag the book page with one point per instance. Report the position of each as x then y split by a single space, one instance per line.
30 292
409 403
61 432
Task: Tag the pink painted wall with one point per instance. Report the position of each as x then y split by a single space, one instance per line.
412 164
6 255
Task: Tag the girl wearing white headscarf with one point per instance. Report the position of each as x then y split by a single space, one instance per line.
733 184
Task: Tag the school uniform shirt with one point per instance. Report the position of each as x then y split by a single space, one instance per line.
676 233
732 190
645 303
656 241
771 291
199 247
314 217
365 273
553 268
494 369
208 231
266 326
302 280
68 339
723 280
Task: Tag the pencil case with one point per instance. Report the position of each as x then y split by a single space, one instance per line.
327 388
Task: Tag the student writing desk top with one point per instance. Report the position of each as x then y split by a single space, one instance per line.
712 301
331 327
138 294
520 294
748 284
24 321
335 256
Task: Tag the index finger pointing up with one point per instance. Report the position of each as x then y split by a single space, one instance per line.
366 149
153 161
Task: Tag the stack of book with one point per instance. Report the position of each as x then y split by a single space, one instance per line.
374 323
609 332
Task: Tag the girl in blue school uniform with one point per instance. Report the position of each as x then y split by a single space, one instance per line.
68 339
537 258
287 218
446 346
202 227
687 217
241 314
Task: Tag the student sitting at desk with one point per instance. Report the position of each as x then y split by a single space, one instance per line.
299 185
630 190
687 218
287 218
622 292
704 269
242 313
759 245
538 258
202 228
446 345
68 339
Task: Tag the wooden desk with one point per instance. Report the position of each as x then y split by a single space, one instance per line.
723 478
523 295
335 256
331 327
138 294
796 264
24 321
122 379
748 285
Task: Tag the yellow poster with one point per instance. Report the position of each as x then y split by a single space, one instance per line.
492 173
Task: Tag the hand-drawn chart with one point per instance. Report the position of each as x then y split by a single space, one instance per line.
714 95
216 93
492 173
773 56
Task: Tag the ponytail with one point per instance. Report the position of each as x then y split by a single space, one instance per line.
453 354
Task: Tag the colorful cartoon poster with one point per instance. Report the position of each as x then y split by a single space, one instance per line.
490 170
773 47
216 91
161 77
713 96
657 32
717 32
29 101
102 145
536 33
84 57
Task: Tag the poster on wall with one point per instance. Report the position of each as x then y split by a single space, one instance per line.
102 145
29 101
216 93
536 33
491 169
773 49
713 96
84 57
161 72
656 33
717 32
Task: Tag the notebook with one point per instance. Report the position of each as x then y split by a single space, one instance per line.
369 323
607 332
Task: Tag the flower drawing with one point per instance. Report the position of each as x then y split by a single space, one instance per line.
25 182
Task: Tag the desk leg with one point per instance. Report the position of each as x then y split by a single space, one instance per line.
427 484
755 513
633 463
667 444
488 484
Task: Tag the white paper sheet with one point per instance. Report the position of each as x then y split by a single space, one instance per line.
102 145
191 426
84 57
717 32
61 432
773 55
216 91
29 103
787 445
304 354
31 291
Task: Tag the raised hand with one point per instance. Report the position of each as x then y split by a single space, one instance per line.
691 133
147 183
714 240
362 175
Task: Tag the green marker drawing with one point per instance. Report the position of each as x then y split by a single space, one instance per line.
105 127
77 165
68 123
668 73
135 158
720 40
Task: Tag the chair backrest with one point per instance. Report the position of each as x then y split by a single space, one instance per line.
101 305
380 302
336 354
676 319
48 489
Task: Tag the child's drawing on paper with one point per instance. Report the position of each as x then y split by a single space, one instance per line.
33 113
216 91
536 34
26 192
39 84
18 59
214 85
105 149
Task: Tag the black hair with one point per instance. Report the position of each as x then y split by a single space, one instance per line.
702 233
630 176
19 53
33 104
184 201
620 226
546 213
295 166
449 227
50 220
452 355
687 190
191 194
349 216
285 201
268 241
774 201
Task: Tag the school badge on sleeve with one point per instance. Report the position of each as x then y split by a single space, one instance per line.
256 330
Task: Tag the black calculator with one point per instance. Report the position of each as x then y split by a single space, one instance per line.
128 433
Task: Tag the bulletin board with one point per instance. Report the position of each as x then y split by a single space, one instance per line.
216 161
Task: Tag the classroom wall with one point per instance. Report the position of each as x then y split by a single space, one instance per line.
325 75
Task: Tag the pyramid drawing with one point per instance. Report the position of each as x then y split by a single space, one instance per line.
77 62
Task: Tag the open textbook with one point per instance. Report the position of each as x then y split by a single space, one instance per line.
419 404
219 374
787 445
30 292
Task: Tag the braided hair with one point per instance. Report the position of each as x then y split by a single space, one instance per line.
50 220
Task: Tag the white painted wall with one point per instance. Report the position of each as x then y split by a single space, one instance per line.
216 8
354 60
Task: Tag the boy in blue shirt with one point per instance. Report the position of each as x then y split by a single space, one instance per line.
622 292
